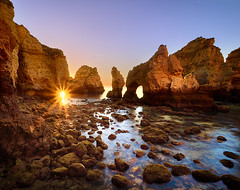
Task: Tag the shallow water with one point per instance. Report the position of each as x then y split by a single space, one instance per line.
204 147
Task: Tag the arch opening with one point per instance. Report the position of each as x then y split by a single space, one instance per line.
139 92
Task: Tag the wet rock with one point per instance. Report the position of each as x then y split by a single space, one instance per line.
132 139
156 173
177 143
192 130
102 144
101 165
112 137
179 170
94 175
152 155
112 166
178 156
196 161
79 149
82 138
167 164
144 146
120 181
231 155
68 159
89 162
26 179
227 163
77 170
165 151
140 153
61 171
61 151
231 181
205 176
127 146
155 135
221 138
70 140
153 148
121 165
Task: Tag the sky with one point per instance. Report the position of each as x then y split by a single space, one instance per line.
125 33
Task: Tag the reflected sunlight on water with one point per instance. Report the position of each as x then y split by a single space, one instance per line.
108 88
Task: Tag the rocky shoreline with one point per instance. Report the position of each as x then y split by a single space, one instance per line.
73 154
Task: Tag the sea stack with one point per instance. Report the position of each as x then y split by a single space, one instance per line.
86 81
117 84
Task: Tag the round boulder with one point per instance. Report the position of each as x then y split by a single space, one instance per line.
156 173
205 176
180 170
120 181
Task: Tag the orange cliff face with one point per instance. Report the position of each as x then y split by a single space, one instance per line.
29 64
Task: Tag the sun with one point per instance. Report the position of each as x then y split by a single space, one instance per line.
62 96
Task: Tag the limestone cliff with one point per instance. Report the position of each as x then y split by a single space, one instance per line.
86 80
163 84
205 61
117 84
233 61
40 67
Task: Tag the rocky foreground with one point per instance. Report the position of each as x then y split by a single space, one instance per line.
67 148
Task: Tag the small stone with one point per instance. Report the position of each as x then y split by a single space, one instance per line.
178 156
127 146
231 155
69 159
61 171
132 139
153 148
112 166
144 146
167 164
118 144
221 138
205 176
165 151
227 163
112 137
140 153
177 143
156 173
121 165
120 181
101 165
196 161
152 155
180 170
192 130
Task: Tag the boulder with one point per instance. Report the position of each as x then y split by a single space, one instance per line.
121 165
86 81
155 135
26 179
117 84
179 170
120 181
61 171
79 149
68 159
77 170
205 176
156 173
94 175
163 84
231 155
231 181
227 163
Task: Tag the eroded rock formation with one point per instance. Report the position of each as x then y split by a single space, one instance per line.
163 84
86 80
203 60
117 84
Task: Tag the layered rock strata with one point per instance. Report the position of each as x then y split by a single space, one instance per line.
86 80
163 84
117 84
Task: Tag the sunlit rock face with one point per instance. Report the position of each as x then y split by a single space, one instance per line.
117 84
40 67
163 84
233 60
203 60
86 80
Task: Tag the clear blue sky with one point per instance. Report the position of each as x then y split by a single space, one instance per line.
125 33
